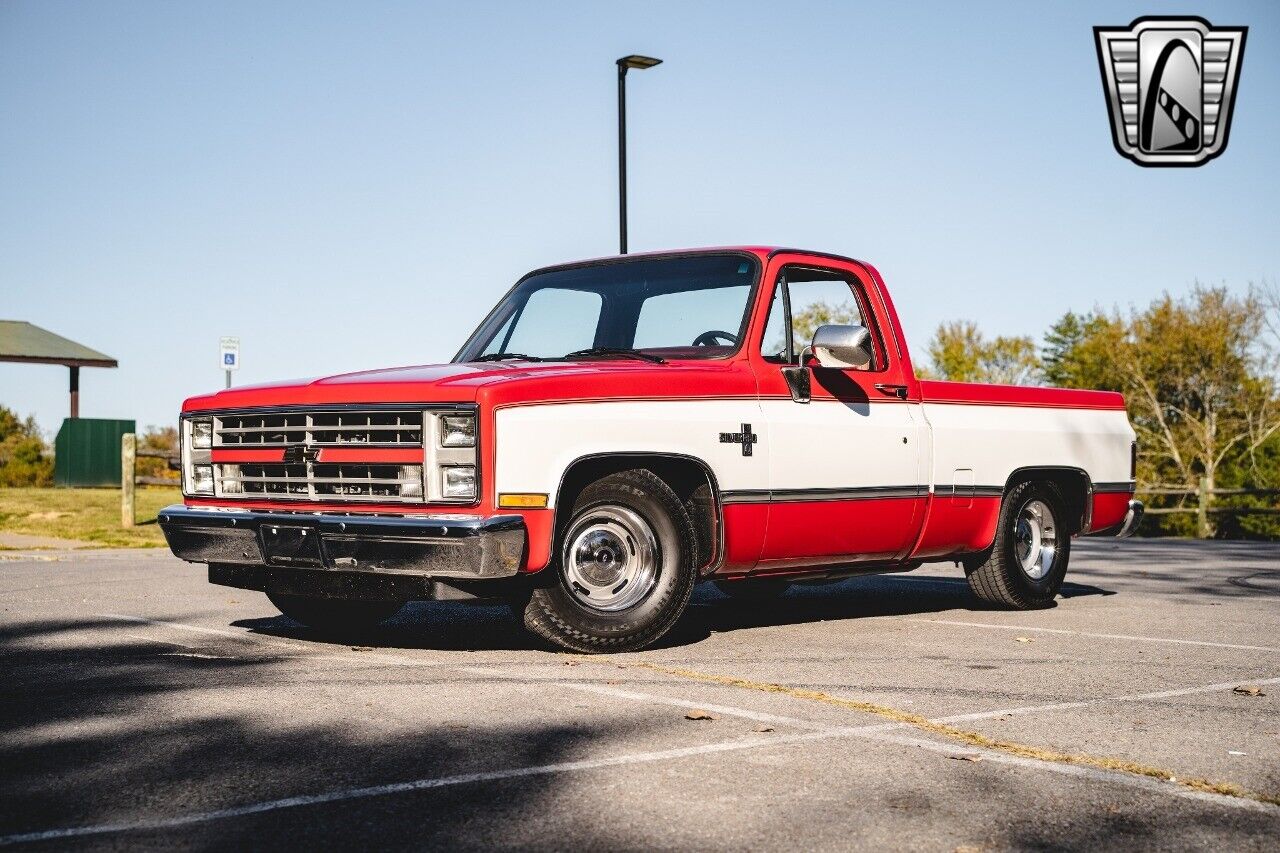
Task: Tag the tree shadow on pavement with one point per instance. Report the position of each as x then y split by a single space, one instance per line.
103 727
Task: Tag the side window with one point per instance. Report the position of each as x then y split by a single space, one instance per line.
814 298
555 321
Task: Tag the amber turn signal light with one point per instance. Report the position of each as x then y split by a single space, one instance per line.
522 501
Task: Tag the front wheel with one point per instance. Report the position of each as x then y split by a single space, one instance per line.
625 568
1028 560
334 614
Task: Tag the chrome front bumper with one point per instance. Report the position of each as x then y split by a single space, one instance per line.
1131 520
440 546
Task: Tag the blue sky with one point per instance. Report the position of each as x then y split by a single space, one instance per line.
349 186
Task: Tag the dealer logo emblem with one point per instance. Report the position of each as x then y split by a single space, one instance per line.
1170 85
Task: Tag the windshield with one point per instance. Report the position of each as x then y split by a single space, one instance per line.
674 307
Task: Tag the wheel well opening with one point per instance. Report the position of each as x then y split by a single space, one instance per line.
690 479
1072 483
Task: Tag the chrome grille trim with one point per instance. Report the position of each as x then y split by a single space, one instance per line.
303 433
353 481
337 428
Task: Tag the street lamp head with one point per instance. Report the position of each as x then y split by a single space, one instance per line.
637 61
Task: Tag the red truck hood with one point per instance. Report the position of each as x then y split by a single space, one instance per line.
495 383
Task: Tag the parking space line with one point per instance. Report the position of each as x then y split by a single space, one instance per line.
1129 637
1132 697
1123 767
301 645
1146 783
408 787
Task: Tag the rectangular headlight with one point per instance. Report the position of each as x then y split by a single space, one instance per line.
202 435
458 481
457 431
202 479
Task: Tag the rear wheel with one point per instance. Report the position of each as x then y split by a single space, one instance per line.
334 614
1028 560
625 568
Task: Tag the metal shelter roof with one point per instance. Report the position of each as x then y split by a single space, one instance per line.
22 341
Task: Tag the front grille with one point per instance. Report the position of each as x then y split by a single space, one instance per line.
256 467
377 428
343 481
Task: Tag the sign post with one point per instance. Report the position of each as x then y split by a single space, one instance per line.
229 355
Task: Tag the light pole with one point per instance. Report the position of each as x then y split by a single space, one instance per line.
624 64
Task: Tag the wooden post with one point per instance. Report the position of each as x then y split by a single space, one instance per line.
75 390
1202 509
128 455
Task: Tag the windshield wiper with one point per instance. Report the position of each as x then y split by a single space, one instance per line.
503 356
632 353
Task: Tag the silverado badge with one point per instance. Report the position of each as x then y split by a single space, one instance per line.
746 438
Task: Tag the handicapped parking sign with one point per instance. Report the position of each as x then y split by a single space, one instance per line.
229 347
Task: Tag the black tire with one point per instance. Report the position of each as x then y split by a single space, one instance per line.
997 577
754 590
334 615
562 616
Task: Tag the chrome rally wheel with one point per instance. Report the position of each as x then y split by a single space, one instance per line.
625 567
1026 563
1036 539
610 558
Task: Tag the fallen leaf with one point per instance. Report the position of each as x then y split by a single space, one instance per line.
1249 690
762 729
1024 640
699 714
966 757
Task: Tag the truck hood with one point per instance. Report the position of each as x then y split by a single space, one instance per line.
495 383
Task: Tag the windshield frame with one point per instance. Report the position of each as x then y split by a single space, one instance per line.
493 321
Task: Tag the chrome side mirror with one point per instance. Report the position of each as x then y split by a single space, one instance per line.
843 347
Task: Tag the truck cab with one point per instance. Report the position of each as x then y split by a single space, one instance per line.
616 431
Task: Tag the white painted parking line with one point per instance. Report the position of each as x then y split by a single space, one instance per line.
1221 687
403 787
873 732
247 637
887 732
635 696
1128 779
1128 637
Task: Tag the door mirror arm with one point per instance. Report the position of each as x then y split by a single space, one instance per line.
799 379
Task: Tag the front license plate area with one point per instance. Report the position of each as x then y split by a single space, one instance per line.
284 545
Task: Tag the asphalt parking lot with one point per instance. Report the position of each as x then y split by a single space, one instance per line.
143 707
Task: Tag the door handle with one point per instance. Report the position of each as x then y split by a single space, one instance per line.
899 391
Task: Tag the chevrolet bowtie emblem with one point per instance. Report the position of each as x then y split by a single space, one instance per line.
296 453
1170 85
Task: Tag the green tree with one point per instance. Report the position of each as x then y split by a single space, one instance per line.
1199 386
157 438
24 457
804 323
959 352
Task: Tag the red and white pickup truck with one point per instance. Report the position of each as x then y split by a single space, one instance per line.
618 430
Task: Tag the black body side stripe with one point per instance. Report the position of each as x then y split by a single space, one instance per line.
1105 488
794 495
